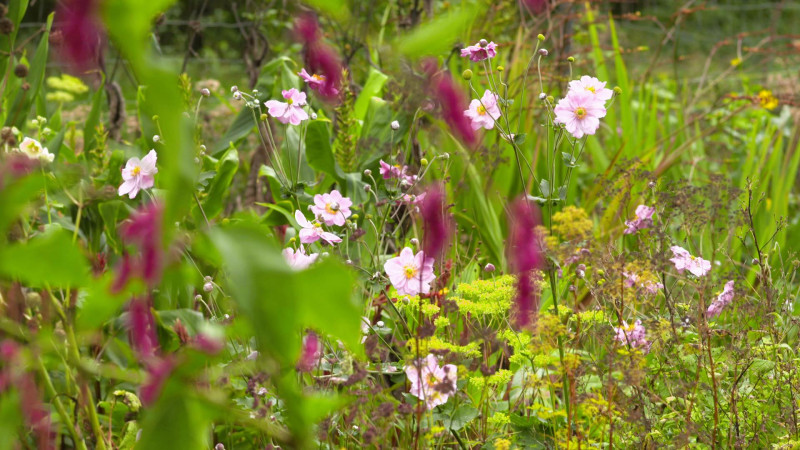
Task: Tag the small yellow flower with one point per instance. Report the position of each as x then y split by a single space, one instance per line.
736 61
767 100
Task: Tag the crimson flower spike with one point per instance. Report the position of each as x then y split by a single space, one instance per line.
320 57
436 220
452 100
524 254
82 34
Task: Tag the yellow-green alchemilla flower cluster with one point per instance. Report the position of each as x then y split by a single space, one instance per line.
486 297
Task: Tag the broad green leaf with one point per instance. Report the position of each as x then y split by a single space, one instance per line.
15 197
372 88
178 421
318 149
333 8
50 259
227 166
438 35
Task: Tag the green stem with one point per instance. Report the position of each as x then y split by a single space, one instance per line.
62 412
565 378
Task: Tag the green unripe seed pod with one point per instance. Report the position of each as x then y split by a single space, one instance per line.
467 75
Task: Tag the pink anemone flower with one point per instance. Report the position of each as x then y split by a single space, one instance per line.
484 112
430 383
290 111
580 113
312 231
332 208
138 174
410 274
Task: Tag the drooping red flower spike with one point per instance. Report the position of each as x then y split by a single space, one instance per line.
524 254
82 33
320 58
436 220
452 100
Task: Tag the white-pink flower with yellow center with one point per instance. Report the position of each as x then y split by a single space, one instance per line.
410 274
33 149
684 260
430 383
298 259
591 84
483 112
332 208
580 112
290 111
138 174
312 231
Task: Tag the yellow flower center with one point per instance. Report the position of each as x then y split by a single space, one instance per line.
580 112
591 89
289 101
136 170
431 380
410 272
328 209
317 225
481 110
318 77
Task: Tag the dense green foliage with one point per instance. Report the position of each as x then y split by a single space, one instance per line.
160 286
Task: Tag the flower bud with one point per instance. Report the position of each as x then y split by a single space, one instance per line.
571 59
255 91
155 118
500 68
367 172
21 70
483 42
156 138
234 88
489 268
208 287
542 96
313 116
446 156
205 92
380 324
550 99
540 37
354 216
467 74
414 242
198 297
367 188
423 162
543 51
219 446
395 125
237 95
617 90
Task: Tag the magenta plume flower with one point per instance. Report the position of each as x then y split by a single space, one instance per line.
312 231
158 371
143 229
723 299
580 112
142 328
453 102
138 174
484 112
683 260
410 274
436 220
332 208
524 254
320 58
291 111
82 33
430 383
481 51
312 351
